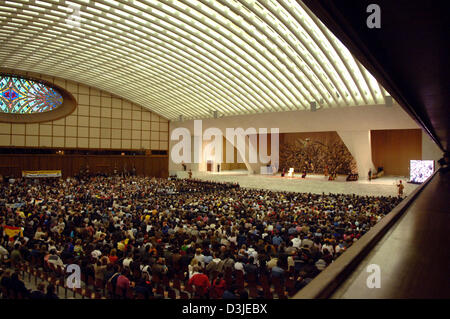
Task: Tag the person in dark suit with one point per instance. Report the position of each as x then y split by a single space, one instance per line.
251 268
51 292
231 293
17 286
39 293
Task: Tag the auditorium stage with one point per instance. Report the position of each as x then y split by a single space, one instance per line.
384 186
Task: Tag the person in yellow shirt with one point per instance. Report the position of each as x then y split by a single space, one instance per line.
121 246
400 189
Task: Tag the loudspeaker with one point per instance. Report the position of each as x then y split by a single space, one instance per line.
313 105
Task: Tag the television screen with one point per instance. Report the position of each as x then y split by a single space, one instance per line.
420 170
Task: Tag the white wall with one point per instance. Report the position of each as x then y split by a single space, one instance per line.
358 119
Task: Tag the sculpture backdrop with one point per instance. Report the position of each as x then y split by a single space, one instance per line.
316 151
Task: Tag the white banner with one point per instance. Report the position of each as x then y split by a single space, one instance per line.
34 174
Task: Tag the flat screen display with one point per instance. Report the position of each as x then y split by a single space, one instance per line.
420 170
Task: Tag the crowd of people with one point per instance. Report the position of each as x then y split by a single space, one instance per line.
127 230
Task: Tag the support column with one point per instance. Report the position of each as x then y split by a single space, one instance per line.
359 145
240 155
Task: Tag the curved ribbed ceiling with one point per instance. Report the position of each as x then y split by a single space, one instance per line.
190 57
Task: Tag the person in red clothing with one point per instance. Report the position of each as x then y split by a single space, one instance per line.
123 283
113 256
218 287
201 283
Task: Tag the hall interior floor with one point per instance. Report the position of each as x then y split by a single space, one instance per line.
313 183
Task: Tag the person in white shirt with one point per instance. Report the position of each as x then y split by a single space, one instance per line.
98 234
238 265
296 242
252 253
55 259
198 258
233 239
60 226
96 253
214 264
3 253
321 264
146 270
39 234
193 270
127 261
224 242
329 248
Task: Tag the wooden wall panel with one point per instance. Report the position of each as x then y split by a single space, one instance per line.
393 149
225 166
100 120
13 164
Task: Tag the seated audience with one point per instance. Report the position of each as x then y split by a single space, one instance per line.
131 231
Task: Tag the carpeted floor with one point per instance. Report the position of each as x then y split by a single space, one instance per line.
384 186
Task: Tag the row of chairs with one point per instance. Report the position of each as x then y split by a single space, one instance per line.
56 275
11 294
253 283
163 286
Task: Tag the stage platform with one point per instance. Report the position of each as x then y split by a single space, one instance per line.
318 184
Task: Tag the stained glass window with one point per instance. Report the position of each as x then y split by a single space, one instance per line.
23 96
